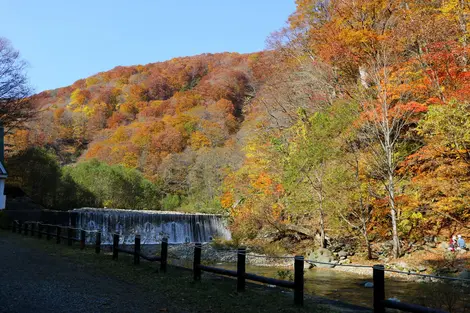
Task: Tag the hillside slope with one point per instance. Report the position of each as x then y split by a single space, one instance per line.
178 121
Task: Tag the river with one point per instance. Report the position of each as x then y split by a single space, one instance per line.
349 287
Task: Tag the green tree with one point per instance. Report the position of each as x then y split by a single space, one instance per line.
314 167
114 185
448 126
38 173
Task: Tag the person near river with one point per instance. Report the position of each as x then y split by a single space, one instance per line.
461 243
452 243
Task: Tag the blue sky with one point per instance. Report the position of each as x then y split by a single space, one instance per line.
65 40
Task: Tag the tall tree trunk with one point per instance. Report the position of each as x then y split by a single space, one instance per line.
390 186
393 213
322 228
365 213
366 240
389 130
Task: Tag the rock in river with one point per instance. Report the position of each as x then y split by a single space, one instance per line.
369 285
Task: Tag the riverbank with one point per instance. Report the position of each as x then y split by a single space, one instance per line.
432 261
99 284
341 283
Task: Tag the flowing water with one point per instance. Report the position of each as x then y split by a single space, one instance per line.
151 225
349 288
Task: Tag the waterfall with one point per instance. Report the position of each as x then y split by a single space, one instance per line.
151 225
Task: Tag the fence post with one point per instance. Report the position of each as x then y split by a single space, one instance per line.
39 230
58 230
241 268
82 239
115 246
32 229
137 250
69 236
48 232
197 261
299 280
13 227
98 243
25 230
379 288
164 255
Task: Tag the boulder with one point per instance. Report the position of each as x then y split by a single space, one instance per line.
343 253
322 255
369 285
345 261
394 299
320 252
324 252
325 259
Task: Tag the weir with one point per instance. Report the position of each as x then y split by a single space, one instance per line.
151 225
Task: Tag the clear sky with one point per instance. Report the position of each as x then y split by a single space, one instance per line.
66 40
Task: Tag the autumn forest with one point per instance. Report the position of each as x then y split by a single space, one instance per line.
354 122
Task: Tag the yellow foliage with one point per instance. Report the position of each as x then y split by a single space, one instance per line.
130 160
199 140
120 135
93 80
78 98
128 108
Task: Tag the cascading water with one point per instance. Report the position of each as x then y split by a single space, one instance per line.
151 225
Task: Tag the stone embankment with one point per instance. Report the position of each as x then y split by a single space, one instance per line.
212 255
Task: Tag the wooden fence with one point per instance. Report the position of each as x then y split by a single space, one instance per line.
163 258
241 275
379 302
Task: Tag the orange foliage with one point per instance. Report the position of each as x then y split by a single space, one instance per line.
116 119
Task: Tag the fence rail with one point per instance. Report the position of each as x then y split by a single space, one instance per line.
163 258
379 302
241 275
379 296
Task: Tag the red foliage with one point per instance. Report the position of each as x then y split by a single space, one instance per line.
170 140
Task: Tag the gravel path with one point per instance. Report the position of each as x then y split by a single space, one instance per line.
33 281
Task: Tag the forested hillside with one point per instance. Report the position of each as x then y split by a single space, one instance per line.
367 127
355 124
179 123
